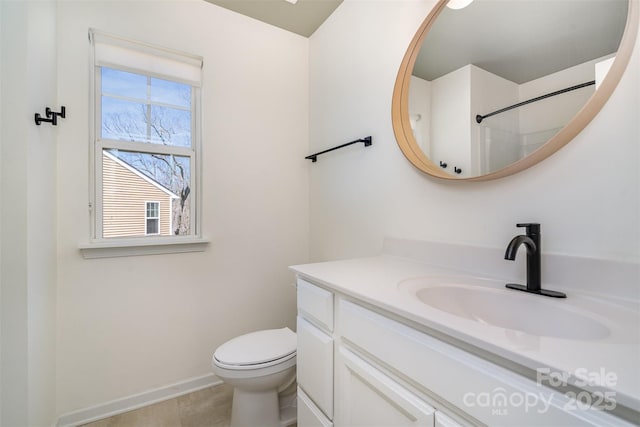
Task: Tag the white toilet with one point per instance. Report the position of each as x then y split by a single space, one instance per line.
258 365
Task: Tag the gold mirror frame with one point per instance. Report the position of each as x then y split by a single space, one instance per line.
400 103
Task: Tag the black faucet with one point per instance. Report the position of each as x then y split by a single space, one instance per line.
532 242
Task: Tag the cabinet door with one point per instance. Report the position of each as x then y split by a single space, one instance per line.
365 396
443 421
315 365
308 414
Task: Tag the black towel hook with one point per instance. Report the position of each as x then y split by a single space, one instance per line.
52 116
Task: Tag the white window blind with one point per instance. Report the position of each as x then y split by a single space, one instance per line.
118 52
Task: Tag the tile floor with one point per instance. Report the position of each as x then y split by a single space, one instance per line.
210 407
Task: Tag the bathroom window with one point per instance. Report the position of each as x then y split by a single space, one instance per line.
145 143
152 218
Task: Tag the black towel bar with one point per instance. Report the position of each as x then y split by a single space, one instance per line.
314 157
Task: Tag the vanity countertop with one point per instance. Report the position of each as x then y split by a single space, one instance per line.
608 364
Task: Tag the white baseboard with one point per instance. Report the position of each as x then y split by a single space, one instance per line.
136 401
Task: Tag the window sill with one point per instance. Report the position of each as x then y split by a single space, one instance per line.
143 246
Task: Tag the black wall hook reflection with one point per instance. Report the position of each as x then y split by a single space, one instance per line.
443 165
457 170
52 116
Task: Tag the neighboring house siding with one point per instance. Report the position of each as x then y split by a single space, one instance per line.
124 197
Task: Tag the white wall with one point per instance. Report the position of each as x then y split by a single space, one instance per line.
586 196
420 111
451 120
28 264
127 325
456 98
500 148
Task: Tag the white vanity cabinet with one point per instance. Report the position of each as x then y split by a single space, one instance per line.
363 394
315 355
361 366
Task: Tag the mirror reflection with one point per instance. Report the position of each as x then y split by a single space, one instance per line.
496 79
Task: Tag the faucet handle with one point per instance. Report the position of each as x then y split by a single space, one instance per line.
532 227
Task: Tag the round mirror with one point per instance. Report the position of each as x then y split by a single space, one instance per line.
492 88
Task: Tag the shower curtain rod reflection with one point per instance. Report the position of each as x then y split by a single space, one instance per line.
480 118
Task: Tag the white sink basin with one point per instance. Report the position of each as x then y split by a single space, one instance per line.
488 302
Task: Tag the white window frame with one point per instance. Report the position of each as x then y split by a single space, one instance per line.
154 61
147 218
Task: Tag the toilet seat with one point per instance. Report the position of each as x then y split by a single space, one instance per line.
257 350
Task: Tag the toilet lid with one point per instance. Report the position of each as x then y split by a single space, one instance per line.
257 347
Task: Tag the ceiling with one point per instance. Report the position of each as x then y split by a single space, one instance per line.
302 18
521 40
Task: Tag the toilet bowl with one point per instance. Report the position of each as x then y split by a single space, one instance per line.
258 366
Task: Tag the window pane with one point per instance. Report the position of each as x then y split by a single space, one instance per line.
152 209
152 226
170 126
167 92
130 179
138 117
123 120
122 83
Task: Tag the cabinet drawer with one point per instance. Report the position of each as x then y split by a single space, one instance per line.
484 390
308 414
315 365
315 304
368 397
